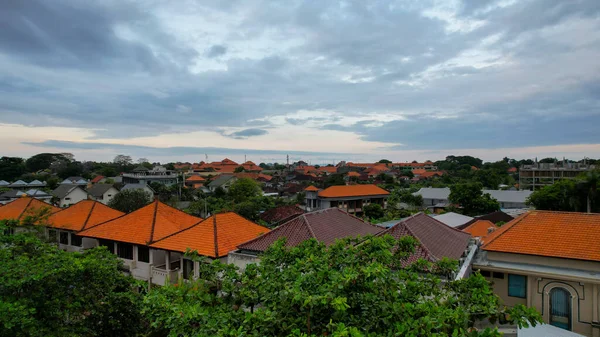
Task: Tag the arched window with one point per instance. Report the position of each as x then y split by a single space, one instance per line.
560 308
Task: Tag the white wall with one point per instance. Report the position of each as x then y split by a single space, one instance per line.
74 197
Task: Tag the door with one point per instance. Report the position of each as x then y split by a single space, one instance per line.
560 308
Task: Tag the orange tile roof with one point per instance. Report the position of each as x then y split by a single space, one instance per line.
419 171
353 174
195 178
328 169
479 229
431 174
311 188
253 176
18 208
546 233
215 236
143 226
352 191
96 179
512 170
83 215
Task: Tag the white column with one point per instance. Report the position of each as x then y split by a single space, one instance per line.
168 260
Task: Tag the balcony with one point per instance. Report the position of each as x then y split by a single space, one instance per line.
160 275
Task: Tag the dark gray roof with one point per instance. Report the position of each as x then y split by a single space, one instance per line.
222 179
136 187
98 190
63 190
12 194
453 219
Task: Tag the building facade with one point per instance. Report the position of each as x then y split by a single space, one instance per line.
538 175
351 198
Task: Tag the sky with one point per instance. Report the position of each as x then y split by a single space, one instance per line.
321 81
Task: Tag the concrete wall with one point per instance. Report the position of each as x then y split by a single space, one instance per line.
241 260
585 295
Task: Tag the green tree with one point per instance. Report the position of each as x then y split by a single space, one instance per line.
43 161
385 161
373 211
49 292
130 200
588 185
243 189
472 200
334 180
11 168
239 169
343 289
560 196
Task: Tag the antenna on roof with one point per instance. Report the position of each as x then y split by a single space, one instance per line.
206 157
245 159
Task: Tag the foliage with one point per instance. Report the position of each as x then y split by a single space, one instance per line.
373 211
239 169
11 168
580 195
385 161
122 160
130 200
243 189
44 161
334 180
342 290
472 200
45 291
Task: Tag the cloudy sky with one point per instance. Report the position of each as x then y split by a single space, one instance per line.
319 80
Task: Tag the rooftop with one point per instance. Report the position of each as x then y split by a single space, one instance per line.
98 190
352 191
282 213
453 219
83 215
215 236
143 226
18 208
546 233
326 226
480 229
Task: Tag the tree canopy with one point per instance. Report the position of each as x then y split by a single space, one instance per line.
471 199
130 200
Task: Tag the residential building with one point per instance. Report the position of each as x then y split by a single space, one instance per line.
325 226
436 239
219 167
158 174
11 195
282 214
438 197
549 261
131 235
480 229
215 237
102 193
539 175
497 218
18 184
39 194
80 181
64 225
69 194
143 187
223 181
26 209
351 198
452 219
97 179
194 181
428 165
4 183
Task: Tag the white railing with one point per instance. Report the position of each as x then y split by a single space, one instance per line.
160 275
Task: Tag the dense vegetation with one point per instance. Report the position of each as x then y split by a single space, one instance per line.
579 195
311 290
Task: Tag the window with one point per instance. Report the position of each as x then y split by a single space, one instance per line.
485 273
517 285
76 240
67 198
52 235
125 251
188 269
64 238
108 244
498 275
143 254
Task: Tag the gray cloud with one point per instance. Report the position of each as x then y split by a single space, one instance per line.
248 133
528 71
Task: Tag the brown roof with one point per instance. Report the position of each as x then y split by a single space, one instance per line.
281 214
437 239
566 235
352 191
143 226
325 225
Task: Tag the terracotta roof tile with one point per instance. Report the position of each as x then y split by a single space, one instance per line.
353 174
96 179
328 169
566 235
480 229
143 226
195 178
82 215
352 191
17 209
311 188
437 239
281 214
215 236
325 225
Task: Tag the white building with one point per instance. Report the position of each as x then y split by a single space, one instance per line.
69 194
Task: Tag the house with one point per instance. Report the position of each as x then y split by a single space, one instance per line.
453 219
497 217
18 184
64 225
480 229
251 167
69 194
223 181
258 177
39 194
436 239
130 236
549 261
149 191
102 193
37 183
11 195
4 183
80 181
97 179
158 174
26 210
194 181
278 215
348 197
325 226
213 238
507 199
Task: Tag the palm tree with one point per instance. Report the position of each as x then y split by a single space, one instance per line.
589 183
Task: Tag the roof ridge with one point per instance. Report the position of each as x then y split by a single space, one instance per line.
362 220
153 222
509 226
308 226
25 208
182 230
109 220
411 233
89 214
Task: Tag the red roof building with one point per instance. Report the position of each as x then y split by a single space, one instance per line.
82 215
351 198
344 191
480 229
281 214
97 179
22 208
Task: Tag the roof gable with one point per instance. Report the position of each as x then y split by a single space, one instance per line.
352 191
99 189
82 215
18 208
143 226
567 235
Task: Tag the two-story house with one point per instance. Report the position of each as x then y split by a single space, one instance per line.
350 198
102 193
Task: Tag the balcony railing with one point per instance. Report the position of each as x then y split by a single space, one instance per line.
160 275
